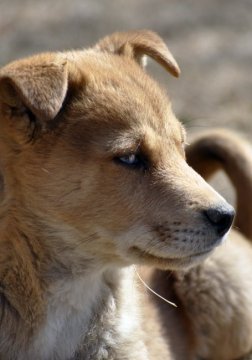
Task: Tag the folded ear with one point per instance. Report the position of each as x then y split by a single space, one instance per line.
37 84
136 44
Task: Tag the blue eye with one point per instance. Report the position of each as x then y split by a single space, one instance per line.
132 161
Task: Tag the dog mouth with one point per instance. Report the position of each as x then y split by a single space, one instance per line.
172 263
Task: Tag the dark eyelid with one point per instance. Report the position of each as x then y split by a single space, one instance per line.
144 160
126 151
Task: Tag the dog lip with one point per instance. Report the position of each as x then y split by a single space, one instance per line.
145 253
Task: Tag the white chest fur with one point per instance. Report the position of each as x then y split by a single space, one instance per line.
73 306
68 314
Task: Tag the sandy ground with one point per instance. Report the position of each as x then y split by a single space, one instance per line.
211 40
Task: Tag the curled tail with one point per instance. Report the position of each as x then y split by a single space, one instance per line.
222 149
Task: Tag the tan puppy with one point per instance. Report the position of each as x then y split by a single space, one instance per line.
215 297
94 180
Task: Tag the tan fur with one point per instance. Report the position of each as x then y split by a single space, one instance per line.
216 296
74 217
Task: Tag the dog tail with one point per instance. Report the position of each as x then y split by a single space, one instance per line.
223 149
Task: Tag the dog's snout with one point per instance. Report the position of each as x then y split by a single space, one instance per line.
220 218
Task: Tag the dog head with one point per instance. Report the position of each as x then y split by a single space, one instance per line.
90 147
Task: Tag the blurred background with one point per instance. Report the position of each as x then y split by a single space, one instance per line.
211 40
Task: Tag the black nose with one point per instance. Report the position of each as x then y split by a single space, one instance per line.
221 218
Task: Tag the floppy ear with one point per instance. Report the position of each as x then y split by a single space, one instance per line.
136 44
35 86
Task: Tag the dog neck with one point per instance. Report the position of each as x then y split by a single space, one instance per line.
96 316
81 316
63 312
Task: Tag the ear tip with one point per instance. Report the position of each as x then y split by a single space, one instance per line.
176 71
170 64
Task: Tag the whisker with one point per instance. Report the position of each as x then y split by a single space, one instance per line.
152 291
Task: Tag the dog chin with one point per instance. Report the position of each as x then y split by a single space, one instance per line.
142 257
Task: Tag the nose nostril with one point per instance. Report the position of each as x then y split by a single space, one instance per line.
221 218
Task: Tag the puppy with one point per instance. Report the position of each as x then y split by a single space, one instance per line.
94 180
215 297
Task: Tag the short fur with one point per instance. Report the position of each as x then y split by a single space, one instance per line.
74 217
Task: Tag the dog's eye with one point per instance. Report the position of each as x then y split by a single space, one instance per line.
132 160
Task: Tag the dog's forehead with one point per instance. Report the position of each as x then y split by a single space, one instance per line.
119 90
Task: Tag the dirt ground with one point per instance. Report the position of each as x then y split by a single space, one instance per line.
211 40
